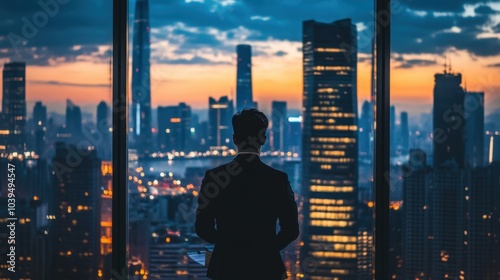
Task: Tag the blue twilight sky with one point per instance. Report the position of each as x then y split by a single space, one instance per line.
204 33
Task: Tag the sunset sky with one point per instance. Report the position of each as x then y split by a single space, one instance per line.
193 48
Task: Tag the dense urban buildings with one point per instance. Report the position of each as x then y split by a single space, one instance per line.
330 150
450 218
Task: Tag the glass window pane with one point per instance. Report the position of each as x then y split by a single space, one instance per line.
444 140
55 139
193 64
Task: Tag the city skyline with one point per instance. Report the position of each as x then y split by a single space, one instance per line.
207 53
308 68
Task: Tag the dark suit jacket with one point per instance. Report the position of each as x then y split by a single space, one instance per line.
238 206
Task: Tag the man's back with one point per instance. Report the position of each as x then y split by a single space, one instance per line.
246 197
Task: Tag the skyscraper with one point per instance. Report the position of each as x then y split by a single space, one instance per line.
405 133
474 128
103 125
416 218
73 119
40 114
14 104
220 114
102 116
448 122
76 228
330 150
140 110
40 121
448 222
293 139
244 96
279 122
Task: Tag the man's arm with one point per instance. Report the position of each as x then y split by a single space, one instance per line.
287 215
205 213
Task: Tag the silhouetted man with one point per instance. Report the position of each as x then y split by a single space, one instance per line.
239 204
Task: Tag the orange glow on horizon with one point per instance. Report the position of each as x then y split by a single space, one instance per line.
87 83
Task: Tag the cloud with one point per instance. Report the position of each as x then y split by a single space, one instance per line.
496 28
42 35
415 34
193 60
494 65
484 10
57 83
410 63
280 53
440 6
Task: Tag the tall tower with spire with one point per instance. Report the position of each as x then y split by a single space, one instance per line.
244 98
140 110
448 125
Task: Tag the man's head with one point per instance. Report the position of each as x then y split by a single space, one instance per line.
249 128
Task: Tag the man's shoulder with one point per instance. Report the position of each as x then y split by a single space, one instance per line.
274 171
235 167
231 167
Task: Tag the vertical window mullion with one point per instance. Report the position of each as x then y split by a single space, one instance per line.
120 119
382 136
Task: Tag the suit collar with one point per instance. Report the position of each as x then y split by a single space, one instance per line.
247 157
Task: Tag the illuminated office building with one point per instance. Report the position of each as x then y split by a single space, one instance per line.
14 105
140 110
293 137
244 98
220 131
31 204
76 214
106 191
330 150
417 226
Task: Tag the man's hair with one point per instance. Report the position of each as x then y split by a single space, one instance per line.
250 123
